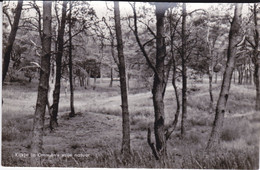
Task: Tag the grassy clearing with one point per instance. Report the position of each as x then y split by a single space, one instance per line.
96 132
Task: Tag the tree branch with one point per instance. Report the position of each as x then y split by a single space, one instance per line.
139 42
149 29
8 17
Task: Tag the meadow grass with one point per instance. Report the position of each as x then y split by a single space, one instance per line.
239 138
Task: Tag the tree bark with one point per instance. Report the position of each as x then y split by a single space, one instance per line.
38 123
11 38
56 94
159 83
210 93
256 58
160 80
234 39
184 73
72 111
111 77
234 76
126 151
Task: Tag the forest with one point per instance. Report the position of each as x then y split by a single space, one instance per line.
113 84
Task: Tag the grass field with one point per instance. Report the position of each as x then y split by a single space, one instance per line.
93 137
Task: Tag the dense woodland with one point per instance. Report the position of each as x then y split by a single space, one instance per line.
193 69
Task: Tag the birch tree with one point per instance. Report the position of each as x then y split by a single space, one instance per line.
235 37
42 98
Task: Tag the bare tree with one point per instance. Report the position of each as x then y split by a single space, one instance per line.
256 58
56 94
234 41
184 71
11 38
122 73
161 74
72 111
42 98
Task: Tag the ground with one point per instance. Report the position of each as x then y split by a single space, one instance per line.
93 137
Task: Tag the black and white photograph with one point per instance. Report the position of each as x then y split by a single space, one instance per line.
130 84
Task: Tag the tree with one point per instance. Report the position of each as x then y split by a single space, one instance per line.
72 111
56 94
184 71
254 44
112 44
256 58
11 39
234 41
173 29
125 113
161 70
211 37
38 123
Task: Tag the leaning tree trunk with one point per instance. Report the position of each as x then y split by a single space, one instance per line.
123 85
56 94
11 38
72 111
184 73
234 38
38 123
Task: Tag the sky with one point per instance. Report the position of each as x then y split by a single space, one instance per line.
100 7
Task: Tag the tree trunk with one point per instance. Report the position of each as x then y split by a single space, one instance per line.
210 93
111 77
95 82
88 78
159 84
250 74
234 39
123 86
216 78
51 85
56 94
184 73
72 111
257 84
256 58
11 38
234 76
38 123
240 75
